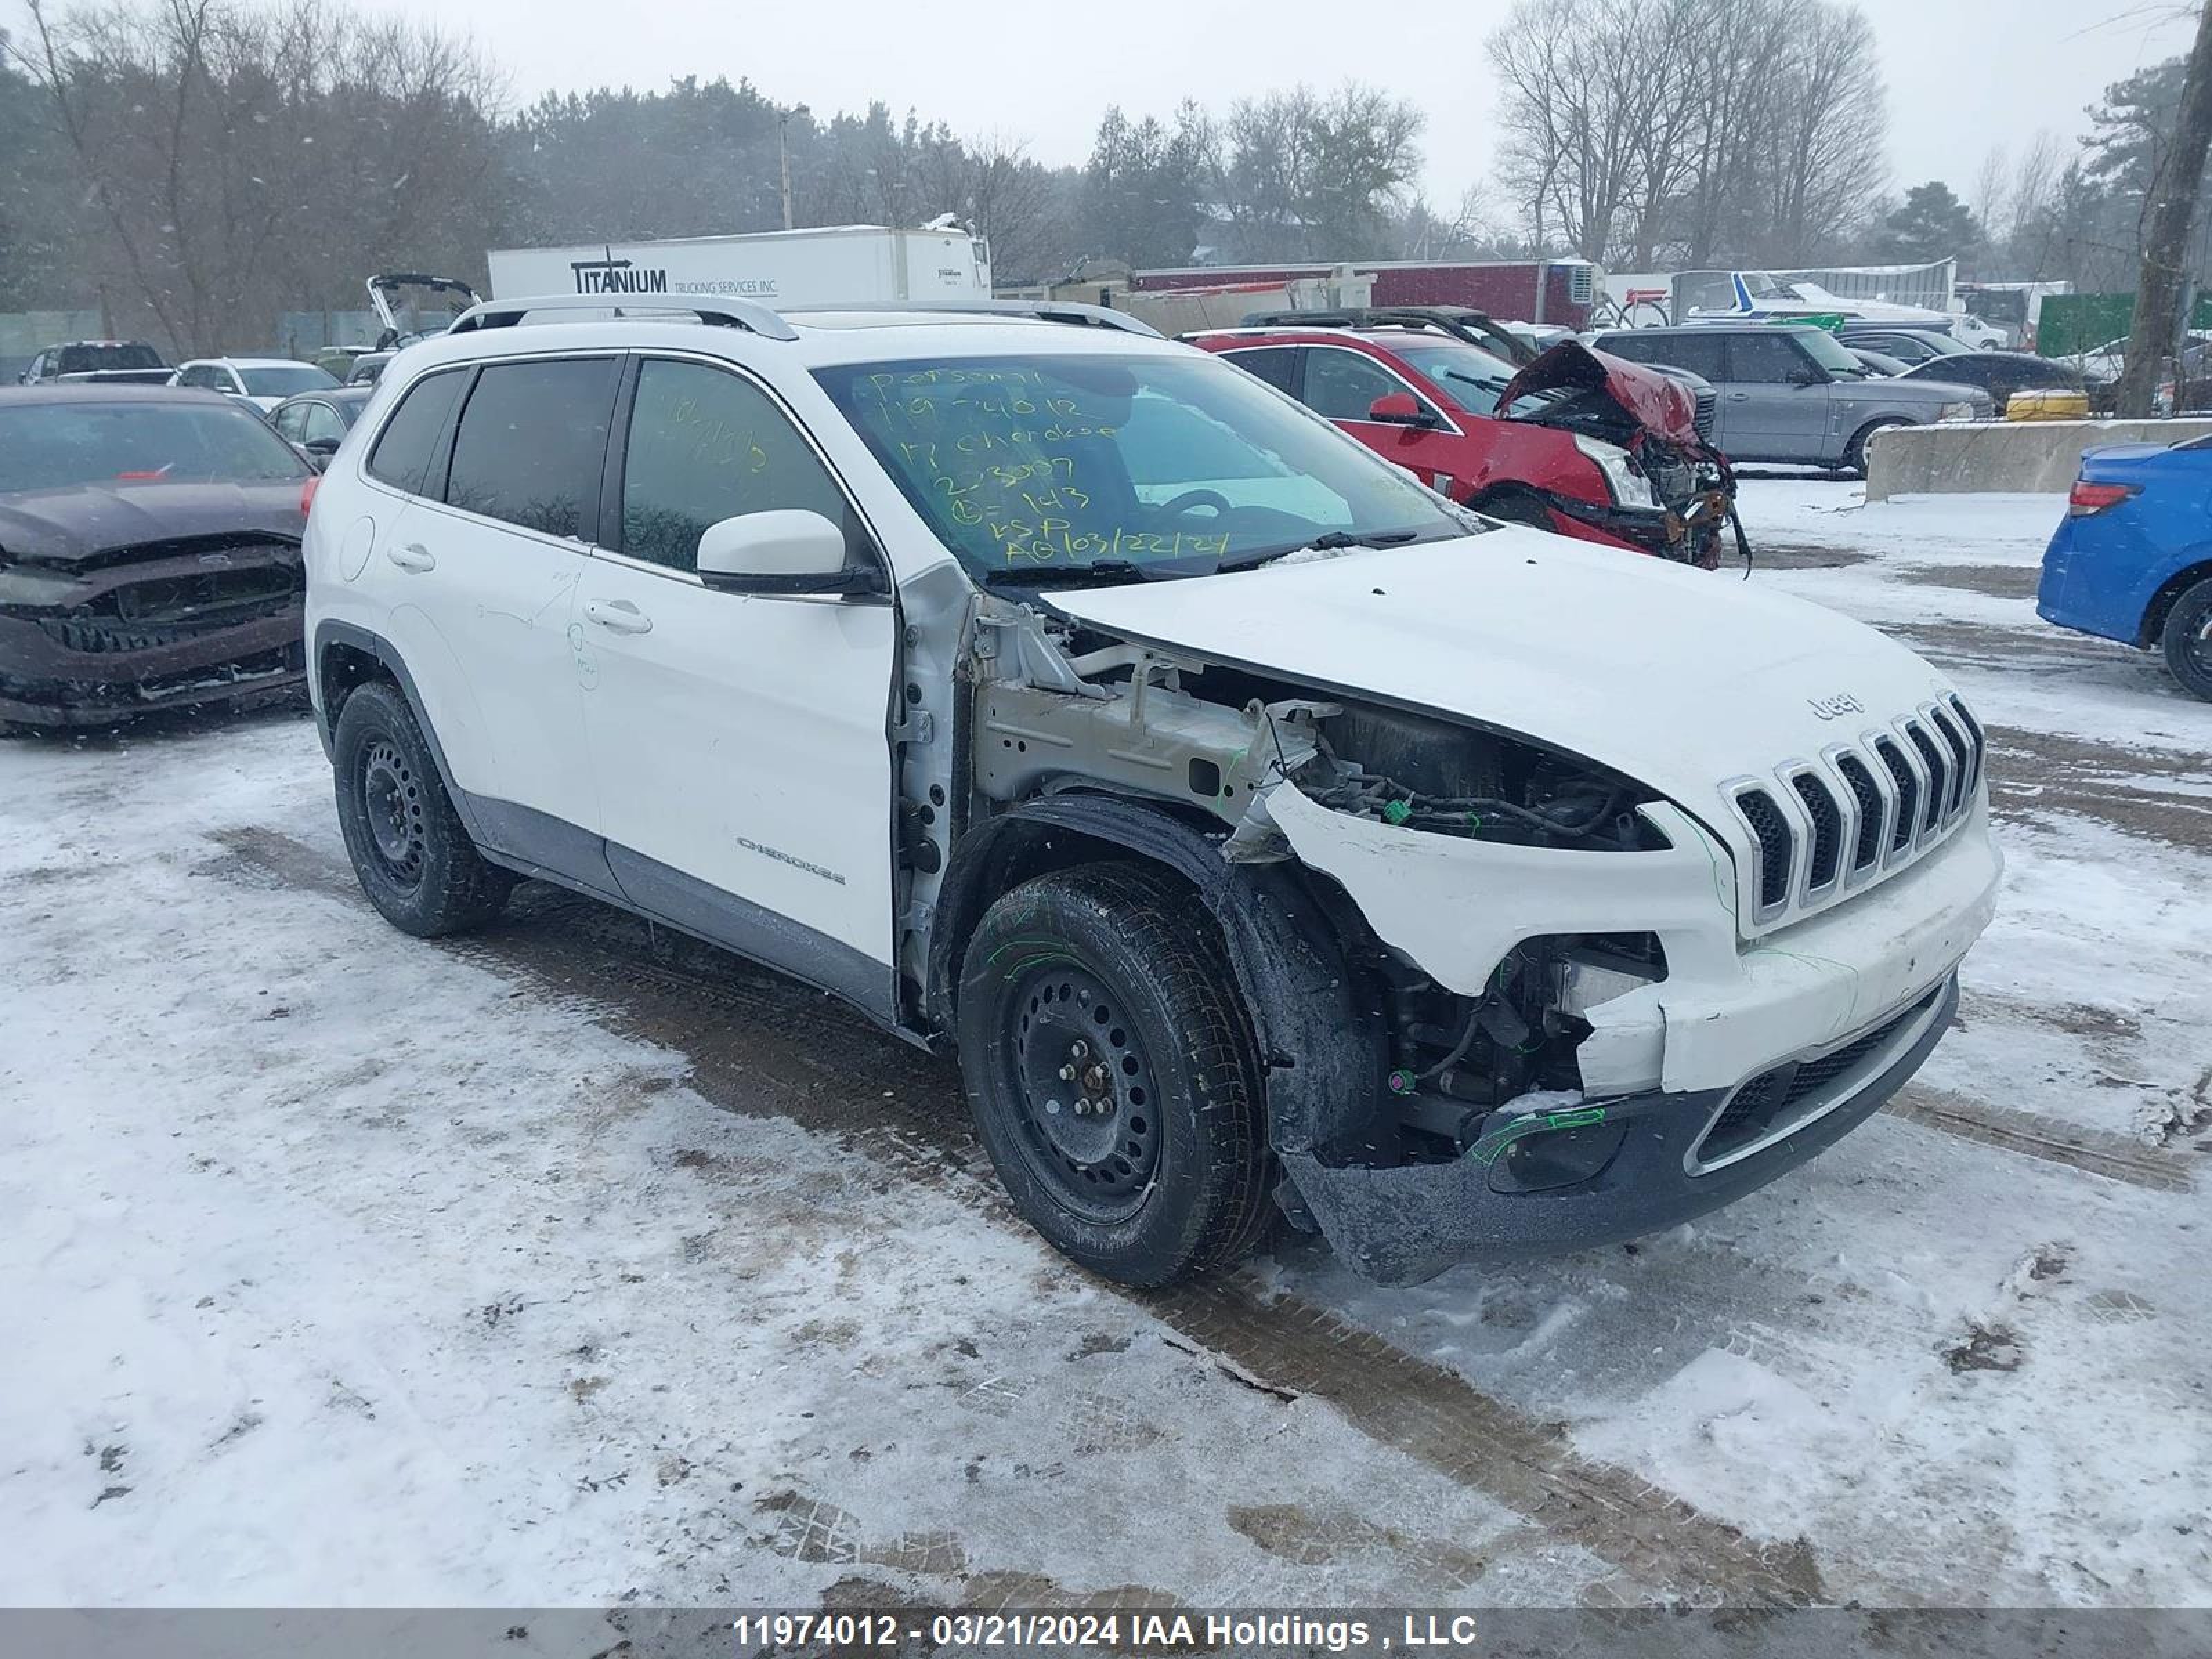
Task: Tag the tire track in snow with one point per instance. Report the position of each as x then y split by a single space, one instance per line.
759 1044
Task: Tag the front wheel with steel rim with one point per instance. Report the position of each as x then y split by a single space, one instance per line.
1108 1064
2188 640
410 852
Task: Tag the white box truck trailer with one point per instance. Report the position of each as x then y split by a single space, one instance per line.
844 264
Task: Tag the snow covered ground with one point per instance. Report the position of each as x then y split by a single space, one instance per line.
565 1265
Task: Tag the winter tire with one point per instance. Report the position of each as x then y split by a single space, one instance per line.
1109 1065
410 853
2187 638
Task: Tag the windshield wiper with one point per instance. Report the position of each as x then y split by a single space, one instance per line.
1329 541
1117 570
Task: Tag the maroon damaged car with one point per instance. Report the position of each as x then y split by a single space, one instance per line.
149 553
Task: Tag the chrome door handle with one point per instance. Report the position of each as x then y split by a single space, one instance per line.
618 615
413 556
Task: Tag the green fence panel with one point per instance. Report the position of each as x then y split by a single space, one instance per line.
2075 322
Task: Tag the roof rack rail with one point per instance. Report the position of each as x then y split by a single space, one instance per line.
748 314
1047 310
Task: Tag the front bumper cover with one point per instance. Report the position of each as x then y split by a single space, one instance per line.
1402 1225
89 650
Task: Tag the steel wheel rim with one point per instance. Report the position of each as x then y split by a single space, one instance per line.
392 807
1073 1046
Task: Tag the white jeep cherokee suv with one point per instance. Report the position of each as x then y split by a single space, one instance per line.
1264 832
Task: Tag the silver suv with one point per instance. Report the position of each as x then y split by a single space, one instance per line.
1792 392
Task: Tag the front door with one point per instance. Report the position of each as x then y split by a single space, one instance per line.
741 741
1344 385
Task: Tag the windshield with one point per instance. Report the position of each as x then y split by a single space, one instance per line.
61 445
284 379
1470 378
1830 353
88 359
1041 467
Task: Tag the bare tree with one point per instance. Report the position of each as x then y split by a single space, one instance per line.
2161 291
1637 129
238 158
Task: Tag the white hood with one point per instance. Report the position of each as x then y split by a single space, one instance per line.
1681 678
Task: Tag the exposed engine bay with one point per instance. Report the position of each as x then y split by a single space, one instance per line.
1659 421
1088 713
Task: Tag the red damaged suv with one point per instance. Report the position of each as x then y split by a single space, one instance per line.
1574 442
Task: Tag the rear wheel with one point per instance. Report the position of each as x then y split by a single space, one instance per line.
409 849
1111 1073
1854 452
2187 638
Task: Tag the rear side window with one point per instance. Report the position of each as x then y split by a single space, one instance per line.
532 441
1273 364
1700 354
410 438
705 445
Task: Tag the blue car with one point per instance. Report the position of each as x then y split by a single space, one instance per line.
2132 561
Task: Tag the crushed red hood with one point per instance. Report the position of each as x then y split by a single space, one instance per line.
1653 401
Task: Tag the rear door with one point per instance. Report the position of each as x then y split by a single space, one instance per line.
1772 413
485 567
741 741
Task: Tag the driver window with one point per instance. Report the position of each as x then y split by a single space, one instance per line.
1344 386
1768 359
706 445
320 421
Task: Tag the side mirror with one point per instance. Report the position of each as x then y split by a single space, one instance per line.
1808 374
319 450
788 550
1398 409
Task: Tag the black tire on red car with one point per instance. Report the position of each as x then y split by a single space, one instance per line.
1104 988
2187 638
409 850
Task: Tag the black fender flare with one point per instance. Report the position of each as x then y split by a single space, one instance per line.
1321 1054
330 632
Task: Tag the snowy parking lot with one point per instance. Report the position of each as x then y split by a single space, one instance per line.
570 1262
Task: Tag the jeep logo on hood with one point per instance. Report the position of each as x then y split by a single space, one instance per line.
1835 706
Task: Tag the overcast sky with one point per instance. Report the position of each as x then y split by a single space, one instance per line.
1963 74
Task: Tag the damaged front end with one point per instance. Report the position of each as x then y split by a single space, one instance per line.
1498 989
1671 492
193 620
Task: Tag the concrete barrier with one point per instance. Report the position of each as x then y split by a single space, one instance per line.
1956 457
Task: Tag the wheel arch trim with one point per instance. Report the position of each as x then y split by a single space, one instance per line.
331 633
1321 1058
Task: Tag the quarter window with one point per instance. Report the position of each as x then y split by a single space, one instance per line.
406 447
704 445
533 439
